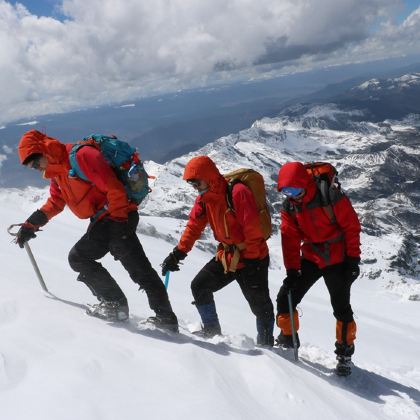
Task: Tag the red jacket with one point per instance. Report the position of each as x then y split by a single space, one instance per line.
84 199
306 229
241 226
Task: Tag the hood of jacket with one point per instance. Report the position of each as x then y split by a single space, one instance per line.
203 168
34 141
294 174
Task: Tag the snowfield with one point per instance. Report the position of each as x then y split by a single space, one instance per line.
57 363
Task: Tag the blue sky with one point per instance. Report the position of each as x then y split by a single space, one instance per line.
409 6
42 7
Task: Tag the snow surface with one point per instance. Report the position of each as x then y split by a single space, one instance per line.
56 363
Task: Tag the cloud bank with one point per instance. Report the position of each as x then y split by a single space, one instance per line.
108 51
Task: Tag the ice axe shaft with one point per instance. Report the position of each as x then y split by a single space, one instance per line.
36 268
32 258
166 279
292 321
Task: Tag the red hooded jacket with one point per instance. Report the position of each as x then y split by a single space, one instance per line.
306 229
241 226
84 199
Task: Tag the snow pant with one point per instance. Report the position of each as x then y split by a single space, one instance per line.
339 289
253 282
95 244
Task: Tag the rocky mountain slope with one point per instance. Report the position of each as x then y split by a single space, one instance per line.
378 164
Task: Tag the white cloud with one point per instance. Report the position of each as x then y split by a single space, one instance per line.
115 50
8 150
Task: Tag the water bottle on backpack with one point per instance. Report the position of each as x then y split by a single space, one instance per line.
136 179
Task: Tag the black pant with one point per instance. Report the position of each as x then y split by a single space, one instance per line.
253 282
336 282
96 243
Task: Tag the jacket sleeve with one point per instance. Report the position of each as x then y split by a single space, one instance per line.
196 224
349 223
247 216
55 203
291 240
97 170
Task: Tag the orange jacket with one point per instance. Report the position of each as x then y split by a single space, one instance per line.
84 199
241 226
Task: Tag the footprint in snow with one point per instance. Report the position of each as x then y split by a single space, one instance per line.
12 371
8 312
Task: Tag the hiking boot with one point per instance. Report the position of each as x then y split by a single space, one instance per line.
286 341
265 333
343 349
265 340
209 331
344 365
169 322
109 310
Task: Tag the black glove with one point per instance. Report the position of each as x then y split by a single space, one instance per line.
290 282
171 262
25 233
32 225
351 268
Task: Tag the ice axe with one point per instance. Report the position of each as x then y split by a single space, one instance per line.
292 322
31 257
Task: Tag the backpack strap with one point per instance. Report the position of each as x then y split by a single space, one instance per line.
229 192
75 170
229 201
324 190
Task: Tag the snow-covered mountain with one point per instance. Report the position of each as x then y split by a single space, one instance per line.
384 98
407 81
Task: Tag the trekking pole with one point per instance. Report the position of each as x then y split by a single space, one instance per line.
166 279
32 258
292 321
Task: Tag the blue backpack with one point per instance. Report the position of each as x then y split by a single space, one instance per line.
122 158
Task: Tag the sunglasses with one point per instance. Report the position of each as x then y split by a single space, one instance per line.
194 182
292 192
35 163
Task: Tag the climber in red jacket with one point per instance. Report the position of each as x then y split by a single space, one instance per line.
317 244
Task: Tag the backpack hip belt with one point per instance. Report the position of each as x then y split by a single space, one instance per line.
99 214
235 250
326 254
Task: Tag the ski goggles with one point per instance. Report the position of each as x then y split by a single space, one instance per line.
292 192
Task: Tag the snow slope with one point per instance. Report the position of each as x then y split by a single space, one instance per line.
56 363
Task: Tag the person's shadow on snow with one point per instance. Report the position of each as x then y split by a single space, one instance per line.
223 349
365 384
